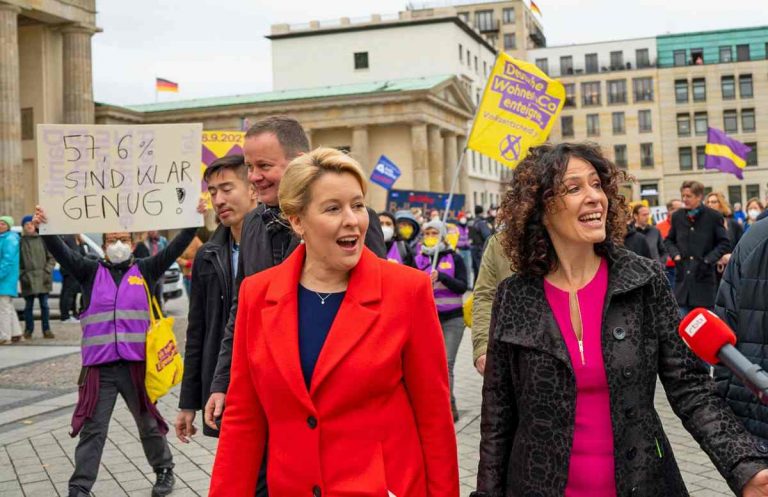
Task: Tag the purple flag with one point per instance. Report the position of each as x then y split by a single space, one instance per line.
725 154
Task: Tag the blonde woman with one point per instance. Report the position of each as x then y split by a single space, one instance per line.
716 200
338 360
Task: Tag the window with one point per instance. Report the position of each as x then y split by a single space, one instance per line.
730 121
734 194
642 58
617 91
753 191
701 157
726 54
543 64
728 87
461 53
679 57
566 123
566 65
747 120
484 20
643 88
509 41
469 59
700 123
650 193
745 86
508 15
644 121
593 125
683 125
685 158
742 52
699 89
28 123
618 121
476 66
681 91
617 60
590 63
590 93
697 56
485 69
620 155
646 155
570 95
752 155
361 60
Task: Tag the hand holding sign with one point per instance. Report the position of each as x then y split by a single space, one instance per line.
119 178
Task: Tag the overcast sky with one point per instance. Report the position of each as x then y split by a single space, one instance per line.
217 47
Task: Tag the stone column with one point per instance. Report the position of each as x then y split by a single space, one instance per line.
451 156
308 132
11 199
78 76
436 164
360 147
419 156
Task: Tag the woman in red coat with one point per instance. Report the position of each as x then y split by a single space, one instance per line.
338 360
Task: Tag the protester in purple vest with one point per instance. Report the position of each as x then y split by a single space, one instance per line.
115 323
449 283
398 250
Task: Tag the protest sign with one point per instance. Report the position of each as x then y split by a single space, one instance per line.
406 199
519 107
102 178
218 144
385 173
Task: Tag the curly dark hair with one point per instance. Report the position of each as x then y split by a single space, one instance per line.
536 183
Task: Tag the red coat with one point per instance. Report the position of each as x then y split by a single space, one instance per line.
377 417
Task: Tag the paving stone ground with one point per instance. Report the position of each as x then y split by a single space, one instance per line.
36 451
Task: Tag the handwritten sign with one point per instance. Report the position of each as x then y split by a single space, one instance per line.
102 178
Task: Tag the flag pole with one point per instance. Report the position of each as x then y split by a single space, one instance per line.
456 174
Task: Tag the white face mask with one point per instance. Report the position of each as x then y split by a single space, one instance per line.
118 252
753 213
389 232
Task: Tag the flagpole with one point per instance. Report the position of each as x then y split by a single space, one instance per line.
456 174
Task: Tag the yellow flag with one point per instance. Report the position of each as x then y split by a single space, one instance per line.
519 107
218 144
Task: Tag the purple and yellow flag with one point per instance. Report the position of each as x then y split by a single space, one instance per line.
725 154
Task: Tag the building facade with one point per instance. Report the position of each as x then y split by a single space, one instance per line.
45 77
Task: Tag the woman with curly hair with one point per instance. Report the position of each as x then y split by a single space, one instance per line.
578 336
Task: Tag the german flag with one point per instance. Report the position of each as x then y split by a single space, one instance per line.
165 85
535 8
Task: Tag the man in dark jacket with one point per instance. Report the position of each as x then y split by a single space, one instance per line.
36 277
697 239
266 238
213 279
641 216
742 302
635 242
479 232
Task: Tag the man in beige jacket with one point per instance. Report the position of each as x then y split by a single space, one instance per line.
494 268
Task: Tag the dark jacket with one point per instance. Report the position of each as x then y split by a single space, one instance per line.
35 266
699 246
479 232
636 242
405 250
529 394
742 301
735 231
209 303
266 240
655 243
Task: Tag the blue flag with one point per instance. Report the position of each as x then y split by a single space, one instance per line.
385 173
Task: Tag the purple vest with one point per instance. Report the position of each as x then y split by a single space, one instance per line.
445 299
394 253
116 321
463 237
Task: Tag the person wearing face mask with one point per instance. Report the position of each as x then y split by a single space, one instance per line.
397 250
449 282
114 323
754 210
408 228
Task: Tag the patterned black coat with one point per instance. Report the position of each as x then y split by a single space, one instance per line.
529 394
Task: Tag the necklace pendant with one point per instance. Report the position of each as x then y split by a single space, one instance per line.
322 302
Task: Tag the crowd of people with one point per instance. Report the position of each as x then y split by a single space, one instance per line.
322 336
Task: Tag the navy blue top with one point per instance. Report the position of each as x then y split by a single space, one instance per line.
315 320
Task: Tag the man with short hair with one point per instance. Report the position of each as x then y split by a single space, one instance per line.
213 282
696 241
641 216
266 238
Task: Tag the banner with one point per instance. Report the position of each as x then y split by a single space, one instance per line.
101 178
385 173
519 107
406 199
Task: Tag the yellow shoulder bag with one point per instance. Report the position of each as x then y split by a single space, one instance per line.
164 364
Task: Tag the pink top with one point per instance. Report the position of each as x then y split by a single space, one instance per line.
591 469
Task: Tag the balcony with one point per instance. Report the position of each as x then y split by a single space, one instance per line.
488 26
537 37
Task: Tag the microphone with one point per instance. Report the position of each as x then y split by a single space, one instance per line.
713 341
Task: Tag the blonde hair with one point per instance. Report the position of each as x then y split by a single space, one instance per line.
725 207
294 193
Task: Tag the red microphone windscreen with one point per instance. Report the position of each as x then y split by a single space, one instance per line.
705 334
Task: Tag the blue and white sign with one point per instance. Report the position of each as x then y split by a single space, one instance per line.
385 173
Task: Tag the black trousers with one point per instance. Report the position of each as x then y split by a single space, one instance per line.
69 290
115 379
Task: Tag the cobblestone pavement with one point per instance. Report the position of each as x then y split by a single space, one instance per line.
36 451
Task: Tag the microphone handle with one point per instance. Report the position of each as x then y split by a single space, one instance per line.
751 375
